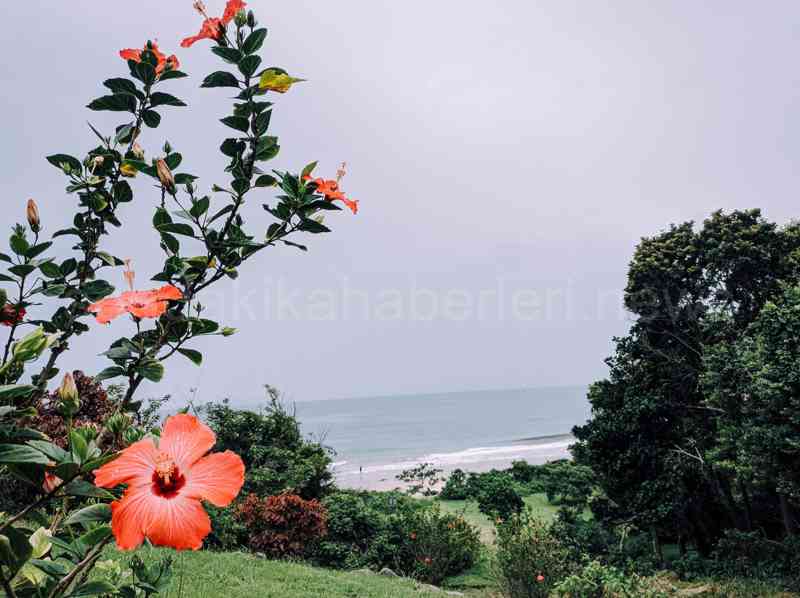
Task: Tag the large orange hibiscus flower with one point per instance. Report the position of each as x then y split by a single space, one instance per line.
330 189
214 27
163 60
140 304
166 484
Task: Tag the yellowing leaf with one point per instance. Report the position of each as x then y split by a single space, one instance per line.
275 79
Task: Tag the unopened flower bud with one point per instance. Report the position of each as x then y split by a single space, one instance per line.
88 432
132 434
69 400
3 298
137 151
118 423
165 175
33 216
32 345
240 19
227 331
251 19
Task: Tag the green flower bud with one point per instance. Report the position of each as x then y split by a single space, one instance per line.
227 331
88 432
69 400
118 423
3 297
132 434
32 346
240 19
251 19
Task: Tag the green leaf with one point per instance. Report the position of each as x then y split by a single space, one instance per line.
18 244
90 514
309 168
261 123
268 152
145 72
123 192
249 64
84 488
119 102
50 270
52 451
15 549
110 372
151 118
220 79
22 269
200 207
236 122
254 41
164 99
173 160
177 228
58 159
241 186
312 226
10 392
20 453
78 446
97 289
232 147
172 74
37 250
231 55
194 356
152 370
54 569
121 85
94 588
265 180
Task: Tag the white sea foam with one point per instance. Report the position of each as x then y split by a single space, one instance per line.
478 456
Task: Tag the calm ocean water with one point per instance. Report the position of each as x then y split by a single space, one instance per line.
376 438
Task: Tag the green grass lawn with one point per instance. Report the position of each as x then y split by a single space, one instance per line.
469 510
205 574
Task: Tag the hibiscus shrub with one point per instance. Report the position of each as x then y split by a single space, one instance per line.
73 445
284 525
389 529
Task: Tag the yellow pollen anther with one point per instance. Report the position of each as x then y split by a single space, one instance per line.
165 467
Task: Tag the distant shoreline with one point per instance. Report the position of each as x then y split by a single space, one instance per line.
382 476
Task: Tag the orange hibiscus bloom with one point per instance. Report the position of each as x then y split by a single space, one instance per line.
140 304
163 59
330 189
214 27
166 484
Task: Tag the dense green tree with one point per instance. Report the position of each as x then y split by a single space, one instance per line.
663 435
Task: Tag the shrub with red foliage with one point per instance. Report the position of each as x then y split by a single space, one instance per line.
95 408
284 525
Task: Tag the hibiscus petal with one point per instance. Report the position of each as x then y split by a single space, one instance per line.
134 466
216 478
179 522
107 309
148 310
169 292
231 8
131 54
131 515
185 438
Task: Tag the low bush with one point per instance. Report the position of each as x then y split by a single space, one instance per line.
530 559
276 455
284 525
596 580
455 487
499 498
389 529
439 545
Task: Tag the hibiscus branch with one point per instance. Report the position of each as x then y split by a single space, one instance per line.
45 498
89 255
88 562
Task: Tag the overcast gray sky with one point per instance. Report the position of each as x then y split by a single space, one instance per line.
507 156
